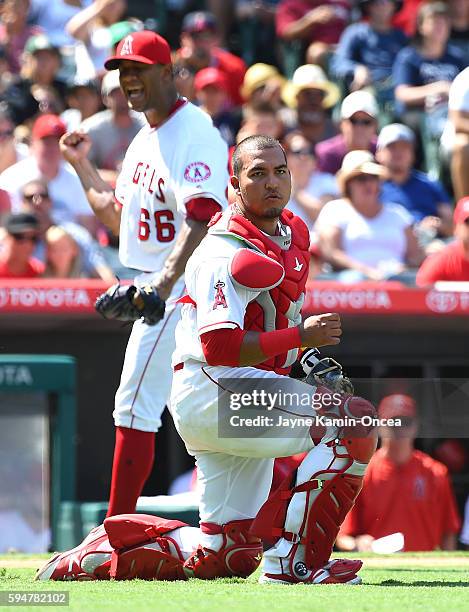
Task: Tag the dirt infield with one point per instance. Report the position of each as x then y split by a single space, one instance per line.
378 561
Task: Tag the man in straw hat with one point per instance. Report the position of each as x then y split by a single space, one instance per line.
311 95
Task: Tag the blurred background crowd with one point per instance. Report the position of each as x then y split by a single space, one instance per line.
370 99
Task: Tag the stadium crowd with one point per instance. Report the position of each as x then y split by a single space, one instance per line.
331 79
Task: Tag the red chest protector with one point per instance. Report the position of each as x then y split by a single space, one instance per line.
280 307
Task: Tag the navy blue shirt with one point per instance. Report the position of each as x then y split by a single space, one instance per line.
419 195
360 44
411 68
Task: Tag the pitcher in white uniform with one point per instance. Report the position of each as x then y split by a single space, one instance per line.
173 179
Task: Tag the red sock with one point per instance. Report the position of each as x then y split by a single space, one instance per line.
134 453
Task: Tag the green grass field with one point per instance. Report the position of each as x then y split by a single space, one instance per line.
410 582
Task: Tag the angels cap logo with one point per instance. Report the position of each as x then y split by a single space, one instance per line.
197 172
127 47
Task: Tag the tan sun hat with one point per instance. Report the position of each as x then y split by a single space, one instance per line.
258 75
310 76
356 163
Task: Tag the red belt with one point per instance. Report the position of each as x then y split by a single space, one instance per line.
178 366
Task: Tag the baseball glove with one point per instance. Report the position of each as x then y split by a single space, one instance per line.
118 303
314 369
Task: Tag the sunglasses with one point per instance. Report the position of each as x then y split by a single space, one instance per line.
26 237
361 121
35 196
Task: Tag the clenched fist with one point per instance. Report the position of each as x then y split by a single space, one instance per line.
75 146
321 330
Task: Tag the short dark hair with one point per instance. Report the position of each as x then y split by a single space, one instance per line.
258 143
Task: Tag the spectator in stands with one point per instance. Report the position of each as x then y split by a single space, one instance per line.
45 161
111 130
15 31
423 71
199 49
358 125
261 120
459 18
451 263
90 28
62 255
37 89
210 92
263 84
317 23
256 23
361 237
404 490
52 18
455 138
311 95
17 247
35 199
83 100
11 151
426 200
310 189
367 50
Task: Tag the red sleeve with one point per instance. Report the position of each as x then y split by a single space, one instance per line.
202 209
286 14
431 270
222 346
5 202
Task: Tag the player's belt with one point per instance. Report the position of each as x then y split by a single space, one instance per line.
178 366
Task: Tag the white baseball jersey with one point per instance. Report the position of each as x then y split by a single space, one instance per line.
165 167
221 303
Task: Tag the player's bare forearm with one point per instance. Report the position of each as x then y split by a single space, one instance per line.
99 193
189 238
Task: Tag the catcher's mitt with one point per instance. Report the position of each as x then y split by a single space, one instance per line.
118 303
314 369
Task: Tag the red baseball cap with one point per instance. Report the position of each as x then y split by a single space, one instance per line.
209 76
397 405
461 212
48 125
145 46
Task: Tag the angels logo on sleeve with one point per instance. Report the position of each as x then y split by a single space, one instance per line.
197 172
220 299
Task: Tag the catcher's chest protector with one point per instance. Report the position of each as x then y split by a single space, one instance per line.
279 307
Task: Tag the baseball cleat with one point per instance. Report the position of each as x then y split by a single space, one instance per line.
337 571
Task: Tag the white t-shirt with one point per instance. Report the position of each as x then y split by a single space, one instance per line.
68 198
182 159
378 242
458 101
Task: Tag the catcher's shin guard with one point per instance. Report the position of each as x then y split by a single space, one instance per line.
235 552
90 560
307 517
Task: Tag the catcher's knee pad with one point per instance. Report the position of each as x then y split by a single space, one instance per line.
306 518
143 548
90 560
239 555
